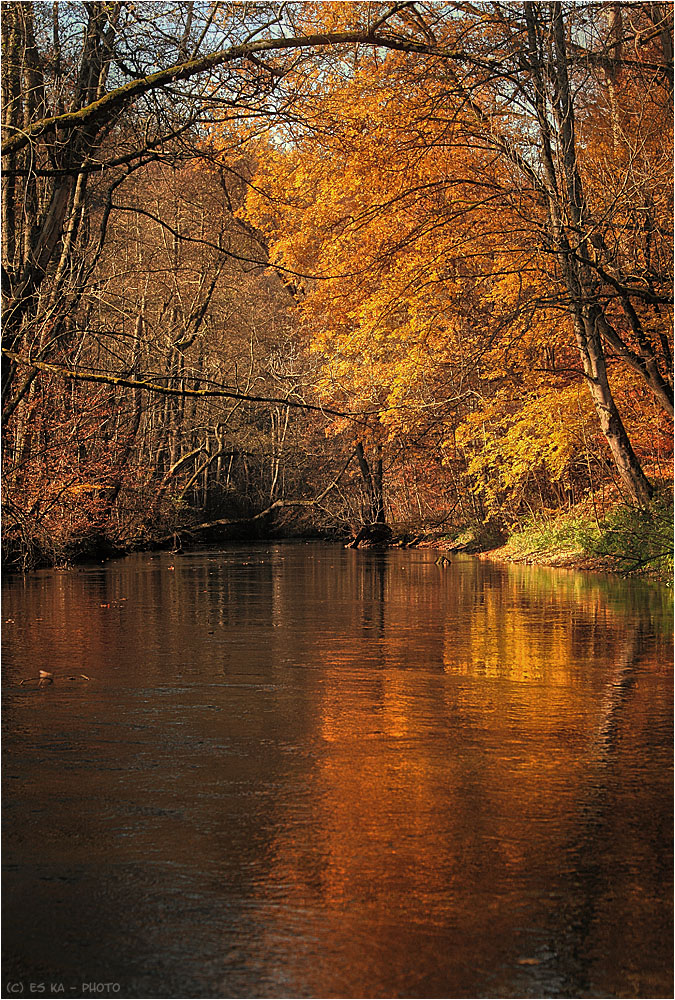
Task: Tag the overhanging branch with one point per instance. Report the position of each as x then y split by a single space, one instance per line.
103 109
76 375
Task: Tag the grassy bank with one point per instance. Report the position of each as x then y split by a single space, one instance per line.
626 540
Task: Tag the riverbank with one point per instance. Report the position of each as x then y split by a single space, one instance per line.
564 559
625 540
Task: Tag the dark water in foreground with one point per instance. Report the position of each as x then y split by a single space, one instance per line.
300 771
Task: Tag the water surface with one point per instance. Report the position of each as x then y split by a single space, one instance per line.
303 771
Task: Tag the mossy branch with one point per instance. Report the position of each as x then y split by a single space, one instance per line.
76 375
106 107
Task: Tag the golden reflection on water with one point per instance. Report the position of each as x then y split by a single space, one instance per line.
456 806
398 780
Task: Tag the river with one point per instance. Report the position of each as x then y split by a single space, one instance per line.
303 771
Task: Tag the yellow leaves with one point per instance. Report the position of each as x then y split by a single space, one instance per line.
331 16
422 294
84 488
514 435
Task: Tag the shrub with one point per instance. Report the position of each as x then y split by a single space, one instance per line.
630 540
638 540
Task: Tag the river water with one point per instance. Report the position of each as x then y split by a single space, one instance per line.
304 771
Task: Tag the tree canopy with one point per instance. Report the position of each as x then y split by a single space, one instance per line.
417 254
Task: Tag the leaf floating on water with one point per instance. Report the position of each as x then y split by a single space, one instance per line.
529 961
46 678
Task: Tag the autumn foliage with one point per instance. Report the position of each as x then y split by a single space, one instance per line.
430 286
443 230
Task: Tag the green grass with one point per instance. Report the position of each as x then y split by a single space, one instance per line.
565 533
630 540
638 541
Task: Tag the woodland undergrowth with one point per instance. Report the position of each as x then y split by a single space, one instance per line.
626 539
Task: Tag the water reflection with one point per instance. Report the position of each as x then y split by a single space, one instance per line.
303 771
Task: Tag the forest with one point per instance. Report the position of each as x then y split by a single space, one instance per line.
364 271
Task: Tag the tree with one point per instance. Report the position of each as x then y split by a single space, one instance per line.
91 95
422 183
463 201
571 225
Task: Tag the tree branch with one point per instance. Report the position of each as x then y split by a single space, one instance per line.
103 109
118 380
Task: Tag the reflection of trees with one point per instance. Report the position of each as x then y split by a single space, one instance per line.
615 904
399 776
617 691
373 569
442 806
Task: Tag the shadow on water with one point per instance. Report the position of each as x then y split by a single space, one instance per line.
305 771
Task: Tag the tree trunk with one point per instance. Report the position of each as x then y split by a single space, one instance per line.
568 213
627 464
374 483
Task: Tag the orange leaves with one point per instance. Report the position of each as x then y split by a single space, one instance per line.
408 189
390 208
